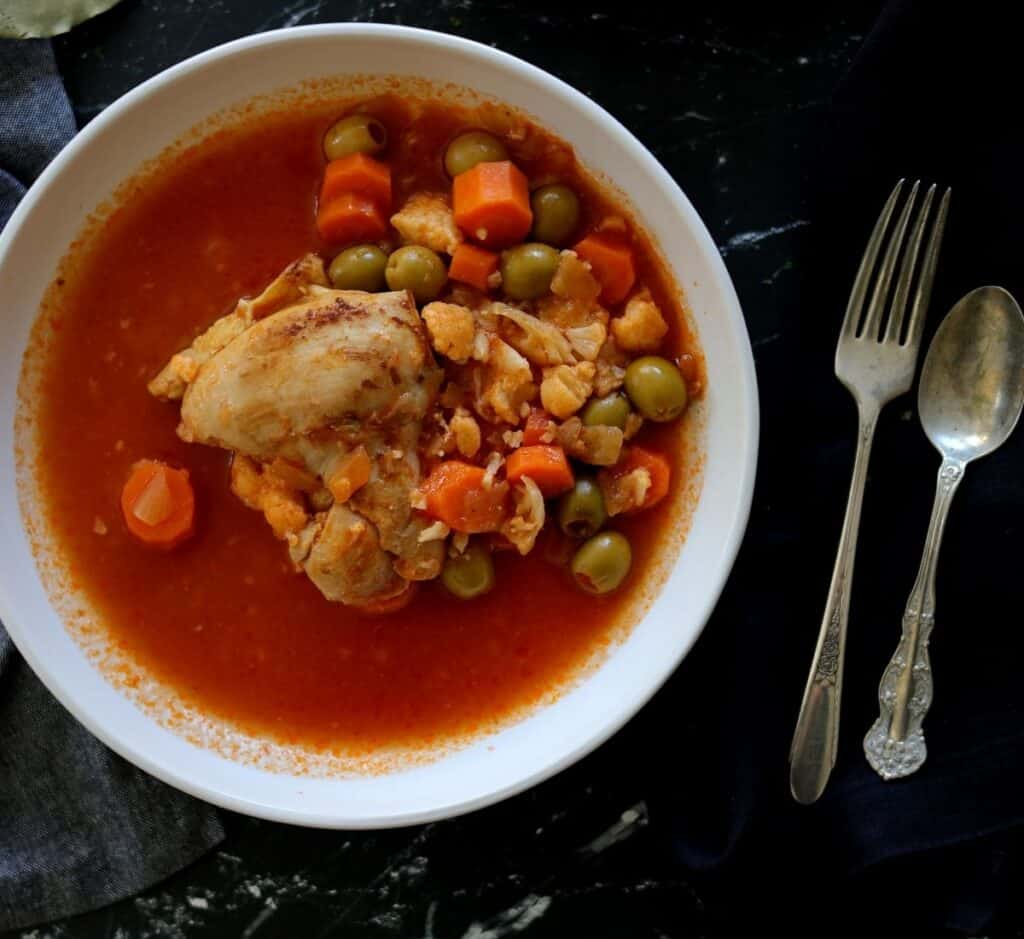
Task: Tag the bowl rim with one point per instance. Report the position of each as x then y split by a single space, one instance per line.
632 701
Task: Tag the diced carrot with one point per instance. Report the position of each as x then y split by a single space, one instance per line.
492 204
158 504
539 427
350 475
546 465
473 266
456 495
611 260
361 175
392 604
350 217
657 467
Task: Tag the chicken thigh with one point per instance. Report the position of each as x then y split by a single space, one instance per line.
296 381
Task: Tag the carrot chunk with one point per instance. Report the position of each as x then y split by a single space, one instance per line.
546 465
350 217
492 204
539 427
361 175
350 475
473 266
612 263
158 504
456 494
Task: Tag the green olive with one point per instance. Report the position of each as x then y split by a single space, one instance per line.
360 267
526 270
556 214
602 562
470 148
609 411
656 388
581 512
357 133
469 574
417 269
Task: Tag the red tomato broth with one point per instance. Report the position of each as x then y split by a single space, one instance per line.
224 619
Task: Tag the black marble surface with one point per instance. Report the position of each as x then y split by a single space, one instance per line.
728 101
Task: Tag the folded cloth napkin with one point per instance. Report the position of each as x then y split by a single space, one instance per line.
79 827
927 96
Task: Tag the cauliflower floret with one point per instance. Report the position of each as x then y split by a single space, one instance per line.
503 383
542 343
513 439
599 445
566 387
641 326
574 280
466 432
426 219
625 492
281 505
586 341
611 368
451 329
523 527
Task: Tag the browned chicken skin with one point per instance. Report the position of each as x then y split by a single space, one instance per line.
294 381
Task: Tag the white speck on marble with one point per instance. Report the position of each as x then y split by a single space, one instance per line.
428 924
516 919
269 909
751 239
766 340
692 116
629 823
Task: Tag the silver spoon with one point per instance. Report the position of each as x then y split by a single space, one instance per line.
969 400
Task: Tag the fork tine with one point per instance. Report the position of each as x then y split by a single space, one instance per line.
867 264
880 295
899 302
924 284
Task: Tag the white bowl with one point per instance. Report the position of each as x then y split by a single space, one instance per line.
154 115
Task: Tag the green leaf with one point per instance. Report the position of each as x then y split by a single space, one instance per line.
28 19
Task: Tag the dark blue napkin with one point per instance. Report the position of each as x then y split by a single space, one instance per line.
932 94
79 827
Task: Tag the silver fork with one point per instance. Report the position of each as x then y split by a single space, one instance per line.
875 360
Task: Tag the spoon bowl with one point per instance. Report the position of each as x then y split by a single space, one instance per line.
970 395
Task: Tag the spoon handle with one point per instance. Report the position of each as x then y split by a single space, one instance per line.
812 753
895 744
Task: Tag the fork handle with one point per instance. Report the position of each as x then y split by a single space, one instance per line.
813 751
894 746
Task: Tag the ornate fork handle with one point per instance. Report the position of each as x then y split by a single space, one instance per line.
895 743
813 751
